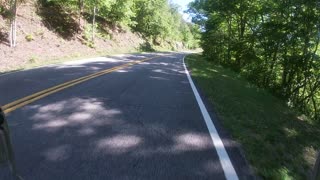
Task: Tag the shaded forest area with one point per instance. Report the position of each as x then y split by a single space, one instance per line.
274 44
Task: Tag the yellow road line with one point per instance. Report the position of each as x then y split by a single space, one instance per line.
34 97
55 87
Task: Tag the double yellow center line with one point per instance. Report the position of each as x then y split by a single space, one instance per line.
34 97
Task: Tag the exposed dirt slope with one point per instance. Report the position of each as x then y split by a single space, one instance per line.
47 43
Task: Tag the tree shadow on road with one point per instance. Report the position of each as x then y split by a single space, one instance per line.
115 132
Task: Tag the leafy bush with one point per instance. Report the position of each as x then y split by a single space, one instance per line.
29 37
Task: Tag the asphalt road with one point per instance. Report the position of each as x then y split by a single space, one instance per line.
141 122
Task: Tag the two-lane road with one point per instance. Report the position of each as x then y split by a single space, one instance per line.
140 122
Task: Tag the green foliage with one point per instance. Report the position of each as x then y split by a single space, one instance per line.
29 37
275 44
147 47
5 8
119 12
2 9
157 20
87 39
160 20
33 59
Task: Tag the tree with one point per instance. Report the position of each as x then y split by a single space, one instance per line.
275 44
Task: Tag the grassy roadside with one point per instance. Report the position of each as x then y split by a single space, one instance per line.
277 142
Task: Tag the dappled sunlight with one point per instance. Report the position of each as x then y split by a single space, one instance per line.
164 64
181 143
85 63
159 78
309 155
108 132
122 71
170 71
80 117
94 64
211 166
95 68
291 133
90 60
57 123
138 56
69 66
213 70
86 131
86 113
59 153
192 142
178 71
118 144
158 70
164 71
145 63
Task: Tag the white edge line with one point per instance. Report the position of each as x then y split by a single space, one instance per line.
225 161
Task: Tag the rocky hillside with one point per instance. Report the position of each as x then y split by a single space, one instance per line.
42 37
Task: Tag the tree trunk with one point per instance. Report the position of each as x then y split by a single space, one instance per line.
273 62
11 34
81 4
229 39
93 23
13 24
15 31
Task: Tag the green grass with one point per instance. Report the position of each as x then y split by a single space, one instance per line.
277 142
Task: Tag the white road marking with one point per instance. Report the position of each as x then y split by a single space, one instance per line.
226 164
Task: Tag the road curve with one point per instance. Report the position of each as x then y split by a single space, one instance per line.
141 122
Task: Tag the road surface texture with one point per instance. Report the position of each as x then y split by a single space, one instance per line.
141 122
